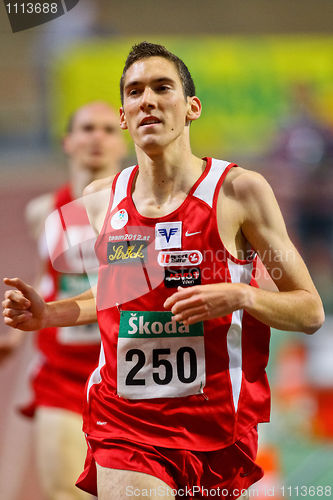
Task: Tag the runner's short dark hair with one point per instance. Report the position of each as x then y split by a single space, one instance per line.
144 50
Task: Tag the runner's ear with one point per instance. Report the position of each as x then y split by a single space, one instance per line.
123 123
193 108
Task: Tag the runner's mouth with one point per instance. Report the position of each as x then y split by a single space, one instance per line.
149 120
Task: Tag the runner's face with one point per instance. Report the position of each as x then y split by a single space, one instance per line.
155 110
96 140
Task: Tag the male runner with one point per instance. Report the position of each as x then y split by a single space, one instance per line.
176 399
65 358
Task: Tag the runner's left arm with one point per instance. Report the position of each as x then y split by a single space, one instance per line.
295 307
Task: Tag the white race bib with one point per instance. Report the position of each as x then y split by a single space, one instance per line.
83 334
158 357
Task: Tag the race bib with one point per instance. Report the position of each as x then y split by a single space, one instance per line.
83 334
158 357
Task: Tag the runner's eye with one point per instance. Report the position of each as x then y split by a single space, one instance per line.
110 130
88 128
163 88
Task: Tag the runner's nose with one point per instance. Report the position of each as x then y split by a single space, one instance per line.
147 99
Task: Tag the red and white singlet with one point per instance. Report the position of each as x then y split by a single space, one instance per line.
200 387
66 356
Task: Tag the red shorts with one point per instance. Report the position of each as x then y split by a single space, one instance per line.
221 473
57 389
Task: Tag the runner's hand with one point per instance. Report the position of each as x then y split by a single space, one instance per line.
23 307
203 302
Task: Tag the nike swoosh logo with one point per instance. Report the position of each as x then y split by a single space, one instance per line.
192 234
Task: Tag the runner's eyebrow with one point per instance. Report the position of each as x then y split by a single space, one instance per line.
164 79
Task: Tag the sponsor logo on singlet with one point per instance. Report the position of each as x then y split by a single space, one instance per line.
119 219
182 277
168 235
182 258
129 237
126 252
192 234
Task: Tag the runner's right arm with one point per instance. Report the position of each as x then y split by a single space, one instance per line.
25 309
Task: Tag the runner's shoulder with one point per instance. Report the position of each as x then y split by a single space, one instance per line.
244 185
96 198
99 185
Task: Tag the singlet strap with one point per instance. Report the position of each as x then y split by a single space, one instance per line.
121 186
206 189
118 193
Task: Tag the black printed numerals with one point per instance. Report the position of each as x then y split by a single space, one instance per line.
130 380
184 355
